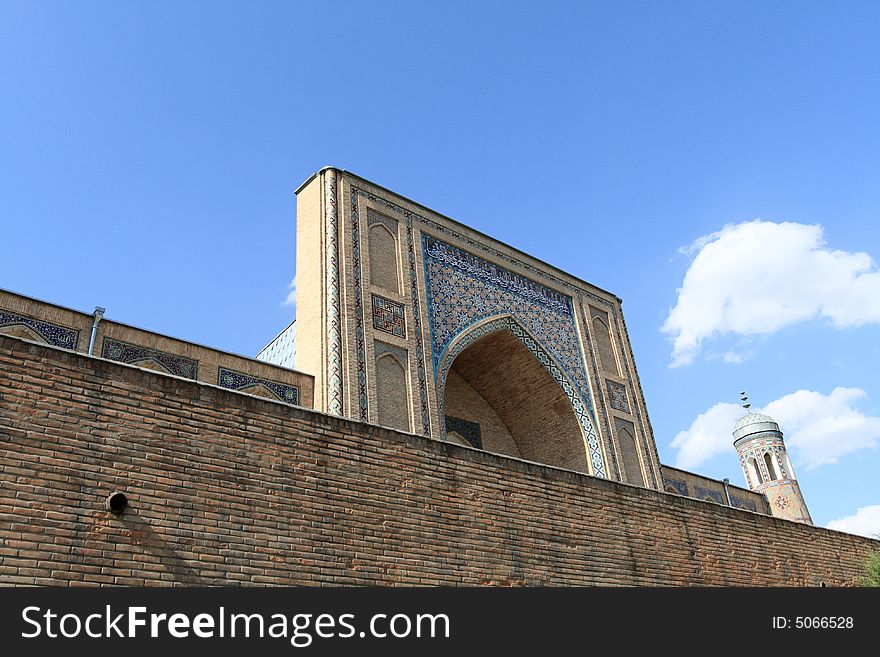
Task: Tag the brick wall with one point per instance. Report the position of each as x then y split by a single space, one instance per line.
226 488
205 363
700 487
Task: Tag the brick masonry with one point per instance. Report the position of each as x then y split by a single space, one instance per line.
227 488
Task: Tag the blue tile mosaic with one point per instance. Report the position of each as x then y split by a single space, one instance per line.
681 488
464 289
131 354
468 430
388 316
702 493
359 334
409 217
233 380
740 503
53 334
334 322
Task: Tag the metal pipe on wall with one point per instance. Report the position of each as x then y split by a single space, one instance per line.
98 315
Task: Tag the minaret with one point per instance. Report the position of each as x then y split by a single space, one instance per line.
766 465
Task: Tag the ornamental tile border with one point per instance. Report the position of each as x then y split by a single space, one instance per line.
132 354
414 292
701 493
360 346
334 323
463 290
481 246
601 409
680 487
226 378
54 334
740 503
409 216
417 325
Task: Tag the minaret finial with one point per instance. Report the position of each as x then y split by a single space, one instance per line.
745 400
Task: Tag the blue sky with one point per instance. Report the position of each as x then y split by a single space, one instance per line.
149 153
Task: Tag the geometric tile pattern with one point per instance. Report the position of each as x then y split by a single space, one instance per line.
360 346
57 336
617 395
408 215
237 380
740 503
470 431
680 487
131 354
478 245
754 447
702 493
601 411
578 405
780 463
334 324
388 316
424 222
417 324
463 289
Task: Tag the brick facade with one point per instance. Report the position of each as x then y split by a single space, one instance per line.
227 488
375 269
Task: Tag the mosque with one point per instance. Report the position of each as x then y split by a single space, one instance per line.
445 409
411 320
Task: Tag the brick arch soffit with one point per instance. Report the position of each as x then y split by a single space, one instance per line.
507 323
392 357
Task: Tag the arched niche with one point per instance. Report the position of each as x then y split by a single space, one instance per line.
602 333
384 265
755 472
391 393
771 466
629 453
499 378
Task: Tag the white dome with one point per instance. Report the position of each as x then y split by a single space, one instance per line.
753 423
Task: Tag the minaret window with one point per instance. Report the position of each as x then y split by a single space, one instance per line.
755 471
771 469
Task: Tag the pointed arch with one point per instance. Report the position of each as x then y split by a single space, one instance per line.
384 261
509 325
629 453
771 467
391 392
605 346
755 472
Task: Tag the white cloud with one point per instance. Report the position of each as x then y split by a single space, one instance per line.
865 522
710 434
822 428
818 428
736 357
756 277
290 299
